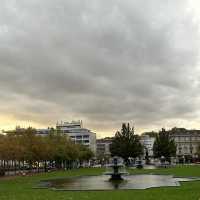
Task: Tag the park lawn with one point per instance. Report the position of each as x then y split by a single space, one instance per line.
21 188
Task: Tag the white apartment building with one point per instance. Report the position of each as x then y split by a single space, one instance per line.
78 134
147 142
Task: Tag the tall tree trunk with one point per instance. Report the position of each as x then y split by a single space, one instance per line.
23 166
30 166
7 166
15 167
38 166
45 166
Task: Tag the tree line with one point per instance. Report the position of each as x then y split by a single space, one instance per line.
126 144
27 150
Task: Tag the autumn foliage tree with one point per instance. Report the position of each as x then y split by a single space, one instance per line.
20 149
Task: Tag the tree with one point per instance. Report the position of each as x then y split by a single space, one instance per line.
23 146
126 144
85 153
150 134
147 156
31 146
164 146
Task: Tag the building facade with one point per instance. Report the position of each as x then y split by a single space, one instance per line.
78 134
147 143
103 146
187 141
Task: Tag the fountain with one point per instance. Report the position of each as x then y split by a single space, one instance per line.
116 182
116 165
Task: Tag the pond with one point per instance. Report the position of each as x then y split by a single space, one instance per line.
103 183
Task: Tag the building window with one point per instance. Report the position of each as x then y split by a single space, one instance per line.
179 149
185 150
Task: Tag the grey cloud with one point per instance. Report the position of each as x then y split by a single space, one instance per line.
105 62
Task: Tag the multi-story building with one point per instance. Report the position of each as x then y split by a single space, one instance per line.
78 134
103 146
147 143
187 141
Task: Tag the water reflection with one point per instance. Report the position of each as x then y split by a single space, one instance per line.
102 182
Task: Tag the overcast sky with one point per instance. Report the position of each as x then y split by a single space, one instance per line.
102 61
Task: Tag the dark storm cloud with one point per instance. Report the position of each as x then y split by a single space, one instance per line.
102 61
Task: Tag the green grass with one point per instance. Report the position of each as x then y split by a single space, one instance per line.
20 188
